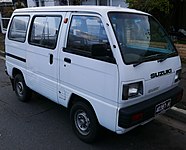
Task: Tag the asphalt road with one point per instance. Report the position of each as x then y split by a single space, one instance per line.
43 125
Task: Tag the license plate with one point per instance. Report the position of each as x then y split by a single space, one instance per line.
162 107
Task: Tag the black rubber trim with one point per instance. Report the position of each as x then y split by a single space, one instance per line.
147 107
16 57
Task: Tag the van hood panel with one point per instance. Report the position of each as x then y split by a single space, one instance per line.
150 70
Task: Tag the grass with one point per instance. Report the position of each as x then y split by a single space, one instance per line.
180 42
183 60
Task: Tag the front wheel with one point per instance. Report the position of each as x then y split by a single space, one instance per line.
84 122
22 91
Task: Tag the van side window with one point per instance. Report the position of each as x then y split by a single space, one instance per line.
44 31
87 37
18 28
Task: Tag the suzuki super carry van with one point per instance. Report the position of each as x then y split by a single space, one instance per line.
110 66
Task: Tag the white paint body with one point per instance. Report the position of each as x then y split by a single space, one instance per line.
99 82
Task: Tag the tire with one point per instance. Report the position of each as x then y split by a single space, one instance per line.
84 122
22 91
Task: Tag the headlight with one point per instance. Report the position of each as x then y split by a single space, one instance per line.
132 90
177 76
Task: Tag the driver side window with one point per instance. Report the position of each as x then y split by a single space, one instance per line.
87 37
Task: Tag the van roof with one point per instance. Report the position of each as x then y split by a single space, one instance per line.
82 8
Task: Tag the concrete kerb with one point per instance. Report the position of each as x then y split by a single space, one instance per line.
174 112
177 114
2 54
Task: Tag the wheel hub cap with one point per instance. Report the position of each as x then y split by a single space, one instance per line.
82 123
20 88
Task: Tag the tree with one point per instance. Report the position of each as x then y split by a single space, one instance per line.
19 4
161 9
150 6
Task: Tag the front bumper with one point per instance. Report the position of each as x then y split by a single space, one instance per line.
147 108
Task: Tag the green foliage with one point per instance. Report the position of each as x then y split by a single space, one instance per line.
163 6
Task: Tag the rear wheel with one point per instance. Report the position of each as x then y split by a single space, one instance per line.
84 122
22 91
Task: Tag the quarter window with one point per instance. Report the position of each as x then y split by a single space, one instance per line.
44 31
18 28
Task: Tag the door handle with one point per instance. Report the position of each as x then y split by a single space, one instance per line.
68 60
51 58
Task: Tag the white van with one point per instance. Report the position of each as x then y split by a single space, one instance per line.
111 66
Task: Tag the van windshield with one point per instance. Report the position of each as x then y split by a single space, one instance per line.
140 38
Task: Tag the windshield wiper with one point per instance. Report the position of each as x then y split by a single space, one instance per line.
167 56
144 59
